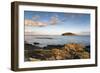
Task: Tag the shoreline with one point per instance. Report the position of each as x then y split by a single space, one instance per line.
56 52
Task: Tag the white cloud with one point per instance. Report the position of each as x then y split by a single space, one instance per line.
35 17
54 20
29 22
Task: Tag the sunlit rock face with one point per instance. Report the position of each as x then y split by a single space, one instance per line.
64 52
70 51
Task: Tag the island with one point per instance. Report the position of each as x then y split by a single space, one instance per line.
69 34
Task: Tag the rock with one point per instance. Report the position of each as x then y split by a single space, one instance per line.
67 51
74 47
85 55
58 54
34 59
36 43
66 54
75 51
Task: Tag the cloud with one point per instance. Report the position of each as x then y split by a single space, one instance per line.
35 21
35 17
54 20
29 22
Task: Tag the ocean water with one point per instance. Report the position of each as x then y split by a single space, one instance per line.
45 40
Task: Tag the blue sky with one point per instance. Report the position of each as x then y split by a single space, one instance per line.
56 23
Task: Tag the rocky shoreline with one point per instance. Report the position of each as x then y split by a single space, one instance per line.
56 52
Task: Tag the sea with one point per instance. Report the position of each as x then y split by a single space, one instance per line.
44 40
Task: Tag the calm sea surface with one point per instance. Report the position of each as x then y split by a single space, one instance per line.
45 40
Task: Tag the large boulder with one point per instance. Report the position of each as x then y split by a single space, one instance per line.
76 51
58 54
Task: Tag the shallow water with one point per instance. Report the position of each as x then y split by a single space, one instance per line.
45 40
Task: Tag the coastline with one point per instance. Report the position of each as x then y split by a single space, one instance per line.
56 52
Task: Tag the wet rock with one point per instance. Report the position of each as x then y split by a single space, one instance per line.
36 43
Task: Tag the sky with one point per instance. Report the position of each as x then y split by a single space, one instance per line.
56 23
